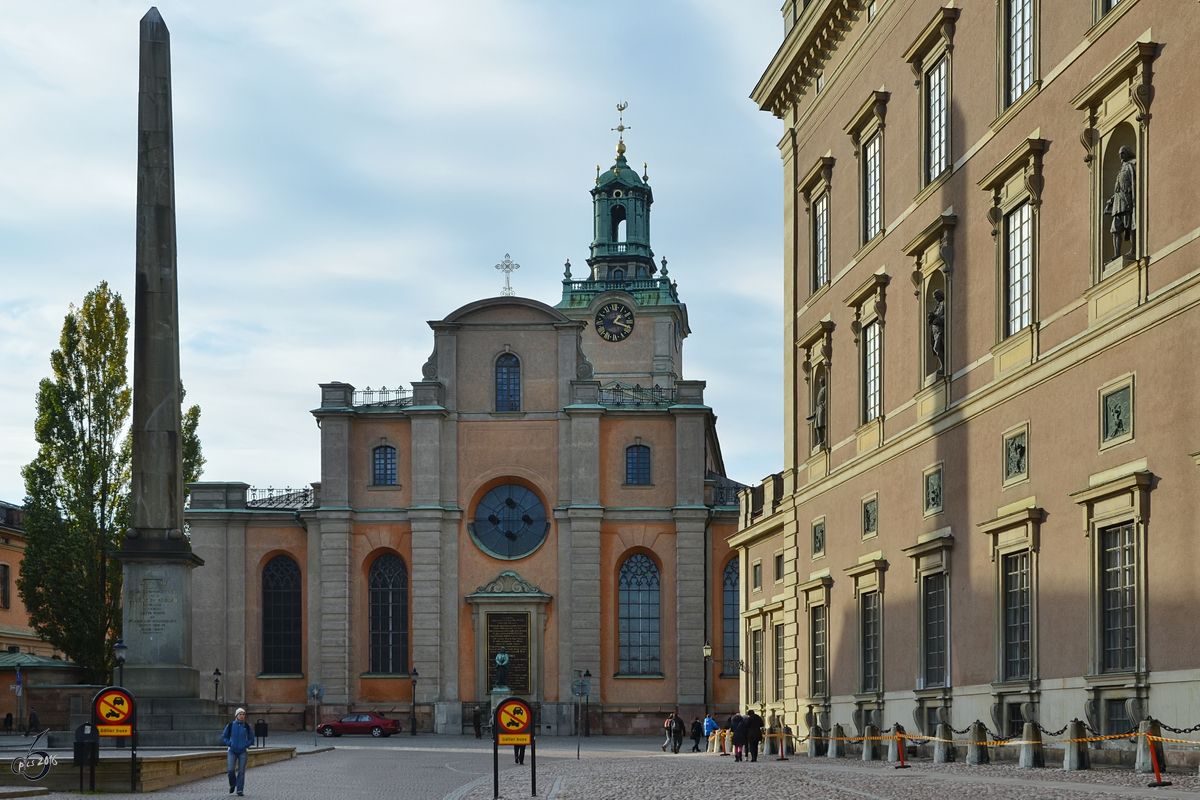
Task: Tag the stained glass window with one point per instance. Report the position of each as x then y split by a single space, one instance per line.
731 616
508 383
388 582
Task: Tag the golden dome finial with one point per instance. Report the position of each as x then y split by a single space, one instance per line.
621 128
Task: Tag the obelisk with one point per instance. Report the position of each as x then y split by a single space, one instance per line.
157 559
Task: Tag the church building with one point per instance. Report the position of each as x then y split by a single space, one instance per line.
552 484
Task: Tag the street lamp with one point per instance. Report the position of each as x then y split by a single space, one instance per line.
587 720
414 675
119 649
726 663
216 682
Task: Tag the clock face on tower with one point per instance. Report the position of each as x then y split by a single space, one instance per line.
614 321
510 522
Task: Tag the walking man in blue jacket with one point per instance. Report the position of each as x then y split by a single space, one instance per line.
238 737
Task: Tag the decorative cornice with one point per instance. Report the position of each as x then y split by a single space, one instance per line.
1025 158
871 113
821 171
803 54
939 31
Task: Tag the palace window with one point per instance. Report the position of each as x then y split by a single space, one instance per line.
756 664
282 618
1017 607
820 238
1019 36
5 591
508 383
1120 597
933 602
818 637
638 617
756 576
869 646
731 612
1018 269
778 567
937 119
779 664
388 580
872 191
383 471
637 464
872 371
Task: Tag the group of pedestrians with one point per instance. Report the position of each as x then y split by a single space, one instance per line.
745 732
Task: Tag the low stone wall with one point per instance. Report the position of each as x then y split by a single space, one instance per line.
153 772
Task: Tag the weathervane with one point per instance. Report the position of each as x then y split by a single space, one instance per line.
507 266
621 127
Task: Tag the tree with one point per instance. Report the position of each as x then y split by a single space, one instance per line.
193 454
77 488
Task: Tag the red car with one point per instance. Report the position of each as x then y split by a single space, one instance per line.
373 724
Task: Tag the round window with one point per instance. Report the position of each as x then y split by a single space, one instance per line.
510 522
618 193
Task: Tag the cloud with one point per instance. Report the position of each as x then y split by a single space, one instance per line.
347 171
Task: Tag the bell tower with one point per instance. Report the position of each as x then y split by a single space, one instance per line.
621 204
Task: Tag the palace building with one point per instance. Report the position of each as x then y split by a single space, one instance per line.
988 504
552 484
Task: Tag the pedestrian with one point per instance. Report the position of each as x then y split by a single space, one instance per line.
754 732
697 734
678 731
477 722
710 727
35 724
8 722
519 754
238 736
667 731
739 736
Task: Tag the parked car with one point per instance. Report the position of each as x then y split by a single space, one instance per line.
373 724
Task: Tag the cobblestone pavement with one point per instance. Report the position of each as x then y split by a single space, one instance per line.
705 777
624 768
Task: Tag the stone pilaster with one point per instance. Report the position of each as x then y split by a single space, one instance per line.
583 520
335 604
691 519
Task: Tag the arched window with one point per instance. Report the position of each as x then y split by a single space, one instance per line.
637 464
730 637
389 615
638 617
282 620
508 383
618 223
383 471
617 275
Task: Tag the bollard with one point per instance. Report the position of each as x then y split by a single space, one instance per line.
896 744
943 751
837 748
1145 760
977 752
815 742
1076 755
870 743
1031 747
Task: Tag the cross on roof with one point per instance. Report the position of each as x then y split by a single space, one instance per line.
507 266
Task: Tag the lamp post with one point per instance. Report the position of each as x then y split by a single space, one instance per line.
119 650
216 682
414 675
587 720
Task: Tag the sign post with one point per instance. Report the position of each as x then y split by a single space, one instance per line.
114 713
513 724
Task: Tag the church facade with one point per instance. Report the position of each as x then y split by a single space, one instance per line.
552 485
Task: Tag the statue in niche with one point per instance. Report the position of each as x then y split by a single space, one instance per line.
937 329
1120 205
817 418
501 668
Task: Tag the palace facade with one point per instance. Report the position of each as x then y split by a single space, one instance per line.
988 504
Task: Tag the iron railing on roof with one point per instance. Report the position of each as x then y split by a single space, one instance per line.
620 394
383 396
282 498
726 494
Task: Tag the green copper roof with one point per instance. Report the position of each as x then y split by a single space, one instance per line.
621 174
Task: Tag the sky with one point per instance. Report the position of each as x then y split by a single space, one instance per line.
347 171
